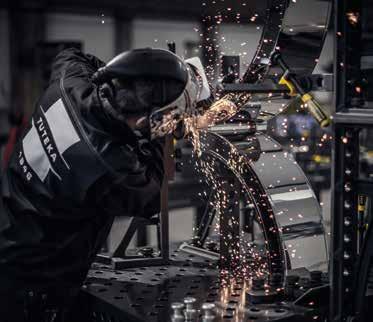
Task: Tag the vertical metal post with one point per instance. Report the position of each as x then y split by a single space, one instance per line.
345 159
344 221
347 53
164 220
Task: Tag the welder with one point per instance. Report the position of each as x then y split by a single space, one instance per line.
92 150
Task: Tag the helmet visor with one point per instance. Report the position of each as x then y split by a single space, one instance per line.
164 120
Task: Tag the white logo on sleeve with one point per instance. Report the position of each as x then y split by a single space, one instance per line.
51 134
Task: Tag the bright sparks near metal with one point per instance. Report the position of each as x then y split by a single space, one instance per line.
248 260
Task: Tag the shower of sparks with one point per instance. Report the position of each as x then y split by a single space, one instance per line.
247 260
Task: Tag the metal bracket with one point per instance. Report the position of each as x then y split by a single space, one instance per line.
199 251
119 259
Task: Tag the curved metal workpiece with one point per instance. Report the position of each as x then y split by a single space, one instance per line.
297 211
298 30
288 211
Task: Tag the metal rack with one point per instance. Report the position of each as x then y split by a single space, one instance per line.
351 117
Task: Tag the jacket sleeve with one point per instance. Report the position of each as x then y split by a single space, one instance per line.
135 188
73 62
74 69
135 192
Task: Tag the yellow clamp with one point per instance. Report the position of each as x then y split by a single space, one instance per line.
320 158
306 98
316 110
284 81
361 208
361 203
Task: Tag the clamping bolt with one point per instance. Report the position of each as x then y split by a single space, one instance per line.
190 312
208 312
177 309
189 302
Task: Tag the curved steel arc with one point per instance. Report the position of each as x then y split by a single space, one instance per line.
224 151
289 213
298 30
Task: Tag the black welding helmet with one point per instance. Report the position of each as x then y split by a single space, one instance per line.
155 83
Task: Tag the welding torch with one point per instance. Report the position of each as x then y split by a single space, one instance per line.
289 79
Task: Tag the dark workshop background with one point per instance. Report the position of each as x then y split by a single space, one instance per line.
32 33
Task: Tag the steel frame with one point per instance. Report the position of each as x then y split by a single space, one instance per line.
349 119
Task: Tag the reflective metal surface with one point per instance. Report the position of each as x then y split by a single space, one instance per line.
291 228
296 28
290 216
216 149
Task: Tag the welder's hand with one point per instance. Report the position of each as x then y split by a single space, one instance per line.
149 149
151 152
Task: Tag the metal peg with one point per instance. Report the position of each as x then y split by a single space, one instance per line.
190 312
208 312
177 309
189 303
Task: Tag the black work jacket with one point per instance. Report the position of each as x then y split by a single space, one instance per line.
71 173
